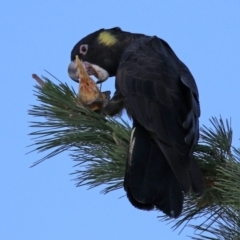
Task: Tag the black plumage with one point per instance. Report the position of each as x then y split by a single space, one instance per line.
160 94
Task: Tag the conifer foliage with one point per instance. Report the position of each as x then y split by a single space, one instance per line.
99 147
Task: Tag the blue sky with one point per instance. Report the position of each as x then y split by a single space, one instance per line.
42 202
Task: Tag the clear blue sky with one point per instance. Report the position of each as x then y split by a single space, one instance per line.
42 203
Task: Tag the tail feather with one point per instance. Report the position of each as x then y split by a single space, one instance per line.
149 180
171 202
197 182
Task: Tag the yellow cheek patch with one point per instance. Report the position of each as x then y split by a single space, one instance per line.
107 39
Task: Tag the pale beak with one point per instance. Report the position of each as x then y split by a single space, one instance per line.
92 69
73 72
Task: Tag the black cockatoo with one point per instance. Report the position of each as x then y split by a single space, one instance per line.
160 94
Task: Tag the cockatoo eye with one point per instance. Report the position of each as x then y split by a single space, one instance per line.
83 49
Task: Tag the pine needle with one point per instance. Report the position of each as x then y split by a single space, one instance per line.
99 147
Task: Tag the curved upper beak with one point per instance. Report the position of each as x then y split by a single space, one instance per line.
91 69
73 71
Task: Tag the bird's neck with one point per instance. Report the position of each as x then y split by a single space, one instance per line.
124 41
128 38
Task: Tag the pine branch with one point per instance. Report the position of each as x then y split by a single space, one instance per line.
99 146
219 207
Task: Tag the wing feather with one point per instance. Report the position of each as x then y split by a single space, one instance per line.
162 96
